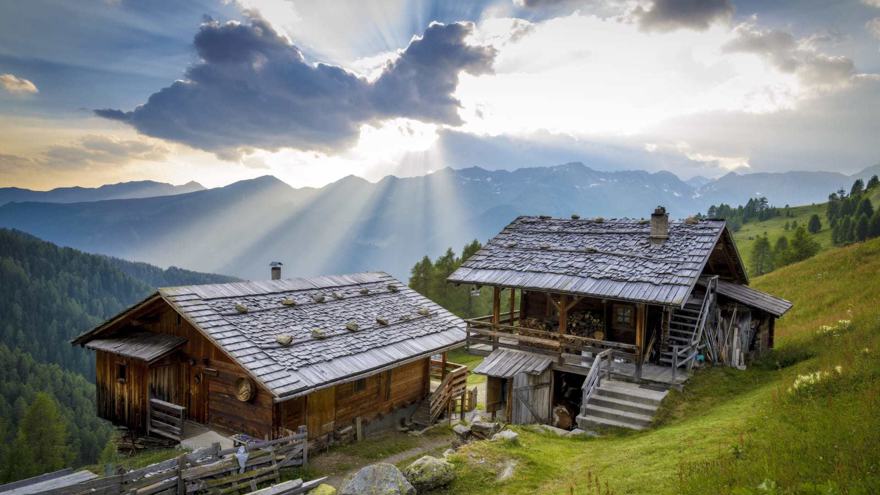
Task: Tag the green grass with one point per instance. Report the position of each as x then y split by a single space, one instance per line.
730 431
461 356
775 227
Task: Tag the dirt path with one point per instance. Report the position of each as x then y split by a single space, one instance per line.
340 465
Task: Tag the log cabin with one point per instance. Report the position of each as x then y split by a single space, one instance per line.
266 357
606 315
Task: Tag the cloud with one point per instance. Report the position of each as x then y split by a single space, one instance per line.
97 149
791 55
17 85
253 89
13 163
873 27
669 15
872 3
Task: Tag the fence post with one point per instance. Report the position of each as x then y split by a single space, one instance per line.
181 486
303 431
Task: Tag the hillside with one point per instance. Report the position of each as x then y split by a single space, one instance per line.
51 294
731 431
355 225
775 227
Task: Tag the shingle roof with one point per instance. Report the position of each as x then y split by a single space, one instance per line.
776 306
610 258
146 346
505 363
394 324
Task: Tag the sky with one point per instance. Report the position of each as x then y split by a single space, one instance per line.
105 91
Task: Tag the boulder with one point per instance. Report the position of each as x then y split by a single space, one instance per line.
378 479
323 489
559 432
483 429
463 432
428 473
506 436
579 433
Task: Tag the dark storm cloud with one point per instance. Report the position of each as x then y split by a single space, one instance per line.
792 56
253 89
669 15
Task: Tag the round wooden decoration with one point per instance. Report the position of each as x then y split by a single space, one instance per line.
244 389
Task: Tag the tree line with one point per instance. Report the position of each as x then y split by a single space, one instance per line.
756 209
852 216
428 278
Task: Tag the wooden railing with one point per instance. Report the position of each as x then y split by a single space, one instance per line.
481 331
165 419
453 385
594 378
209 470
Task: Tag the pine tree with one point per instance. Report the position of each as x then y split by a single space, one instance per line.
815 225
865 208
420 276
786 226
780 252
846 231
862 228
857 187
761 256
874 225
41 443
802 245
873 182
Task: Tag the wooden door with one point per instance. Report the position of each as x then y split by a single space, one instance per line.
197 394
321 411
623 323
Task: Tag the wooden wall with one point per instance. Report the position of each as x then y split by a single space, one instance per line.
121 401
335 407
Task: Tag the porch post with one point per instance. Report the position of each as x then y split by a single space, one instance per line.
563 313
496 313
512 304
641 323
443 366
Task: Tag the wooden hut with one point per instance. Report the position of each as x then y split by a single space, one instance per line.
639 301
268 356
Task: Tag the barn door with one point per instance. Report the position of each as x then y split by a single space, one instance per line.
321 411
164 383
531 398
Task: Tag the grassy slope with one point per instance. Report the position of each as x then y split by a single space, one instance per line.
731 428
775 227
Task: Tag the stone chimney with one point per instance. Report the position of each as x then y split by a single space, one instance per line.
276 269
659 225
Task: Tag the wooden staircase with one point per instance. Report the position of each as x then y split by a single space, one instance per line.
452 387
620 404
683 327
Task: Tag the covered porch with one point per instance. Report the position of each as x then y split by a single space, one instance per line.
571 330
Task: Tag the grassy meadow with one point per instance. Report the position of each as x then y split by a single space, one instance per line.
738 432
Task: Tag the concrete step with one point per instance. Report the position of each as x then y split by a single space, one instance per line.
622 405
588 422
630 392
619 415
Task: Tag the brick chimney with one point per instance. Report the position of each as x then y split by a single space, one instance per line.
659 225
276 269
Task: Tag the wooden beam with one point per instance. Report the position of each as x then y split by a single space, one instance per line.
563 313
496 305
512 305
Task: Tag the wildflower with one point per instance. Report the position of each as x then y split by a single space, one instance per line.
866 351
839 369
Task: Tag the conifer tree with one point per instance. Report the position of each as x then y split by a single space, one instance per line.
761 256
862 228
815 225
41 443
802 245
780 252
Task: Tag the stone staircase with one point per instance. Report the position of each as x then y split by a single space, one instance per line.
682 327
620 404
422 415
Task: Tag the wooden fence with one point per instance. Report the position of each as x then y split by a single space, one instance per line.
165 419
209 470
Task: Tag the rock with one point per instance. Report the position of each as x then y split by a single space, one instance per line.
448 452
378 479
506 436
559 432
284 339
579 433
506 471
428 473
484 430
323 489
462 431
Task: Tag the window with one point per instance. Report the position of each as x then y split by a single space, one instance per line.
121 372
360 385
623 316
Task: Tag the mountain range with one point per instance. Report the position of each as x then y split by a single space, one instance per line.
122 190
353 224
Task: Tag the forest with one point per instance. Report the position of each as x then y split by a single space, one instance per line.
47 397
